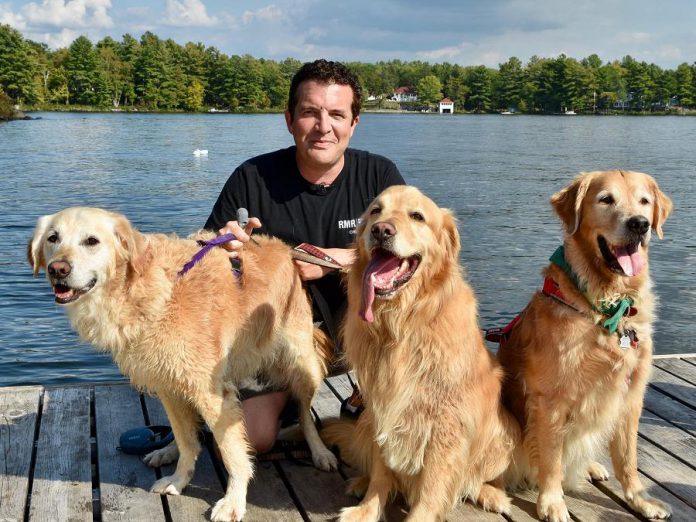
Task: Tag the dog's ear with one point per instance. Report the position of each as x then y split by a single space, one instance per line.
662 208
450 236
131 243
34 250
568 202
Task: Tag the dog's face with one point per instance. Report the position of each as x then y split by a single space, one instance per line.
612 213
404 242
79 248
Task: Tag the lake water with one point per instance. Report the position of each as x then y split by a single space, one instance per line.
495 172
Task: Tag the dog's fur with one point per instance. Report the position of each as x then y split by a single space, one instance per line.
191 339
569 383
433 427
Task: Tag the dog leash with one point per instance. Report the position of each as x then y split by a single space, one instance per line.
207 247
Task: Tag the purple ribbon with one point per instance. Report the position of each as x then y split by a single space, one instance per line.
207 246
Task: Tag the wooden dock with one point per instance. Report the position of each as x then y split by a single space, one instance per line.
59 461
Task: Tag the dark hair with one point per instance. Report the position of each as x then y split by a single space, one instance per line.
324 71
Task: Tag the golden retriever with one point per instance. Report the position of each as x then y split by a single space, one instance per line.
575 377
433 426
190 339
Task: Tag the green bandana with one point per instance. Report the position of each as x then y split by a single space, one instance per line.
614 311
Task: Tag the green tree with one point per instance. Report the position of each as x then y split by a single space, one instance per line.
429 89
195 93
85 82
510 84
685 85
17 66
479 80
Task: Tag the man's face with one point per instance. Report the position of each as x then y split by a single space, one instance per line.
322 124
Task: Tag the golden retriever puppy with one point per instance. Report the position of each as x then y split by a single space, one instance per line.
579 357
191 338
433 426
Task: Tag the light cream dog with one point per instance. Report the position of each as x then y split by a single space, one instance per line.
576 376
433 428
190 339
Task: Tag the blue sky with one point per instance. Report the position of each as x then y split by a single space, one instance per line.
467 32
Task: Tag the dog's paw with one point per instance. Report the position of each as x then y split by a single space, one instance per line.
170 485
494 499
358 486
649 507
229 509
324 459
162 456
595 471
552 508
359 513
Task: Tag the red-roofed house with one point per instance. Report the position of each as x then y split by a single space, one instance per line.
404 94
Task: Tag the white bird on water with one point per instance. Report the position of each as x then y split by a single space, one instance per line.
200 152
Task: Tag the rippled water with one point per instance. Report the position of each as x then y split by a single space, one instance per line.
495 172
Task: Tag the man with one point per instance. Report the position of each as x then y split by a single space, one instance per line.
312 193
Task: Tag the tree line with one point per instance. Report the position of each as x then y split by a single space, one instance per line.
155 74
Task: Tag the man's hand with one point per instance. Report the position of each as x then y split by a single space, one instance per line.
309 272
243 235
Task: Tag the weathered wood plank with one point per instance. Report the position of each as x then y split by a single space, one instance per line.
204 489
663 434
674 411
680 368
124 480
268 499
325 403
18 413
321 494
62 488
674 386
673 475
680 510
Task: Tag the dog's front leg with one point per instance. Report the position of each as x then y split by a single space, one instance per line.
184 423
223 414
547 421
624 454
377 495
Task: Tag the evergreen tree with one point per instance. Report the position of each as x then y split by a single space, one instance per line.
84 80
684 79
17 66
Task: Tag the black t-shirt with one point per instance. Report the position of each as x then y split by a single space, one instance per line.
271 188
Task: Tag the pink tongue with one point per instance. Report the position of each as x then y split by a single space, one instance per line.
381 266
631 262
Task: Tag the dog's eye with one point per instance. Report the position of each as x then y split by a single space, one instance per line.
53 238
416 216
91 241
607 200
644 201
375 211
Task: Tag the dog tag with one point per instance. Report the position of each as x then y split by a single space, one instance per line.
625 342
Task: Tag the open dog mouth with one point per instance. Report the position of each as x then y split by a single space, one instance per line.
624 259
384 276
66 294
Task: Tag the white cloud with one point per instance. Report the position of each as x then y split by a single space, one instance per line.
68 14
270 13
7 17
634 38
188 13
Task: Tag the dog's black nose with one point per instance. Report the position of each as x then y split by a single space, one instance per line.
59 269
638 225
382 231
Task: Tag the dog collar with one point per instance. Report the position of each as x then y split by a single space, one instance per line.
614 311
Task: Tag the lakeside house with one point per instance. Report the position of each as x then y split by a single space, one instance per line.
404 94
446 106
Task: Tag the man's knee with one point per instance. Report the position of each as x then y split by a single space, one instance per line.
261 414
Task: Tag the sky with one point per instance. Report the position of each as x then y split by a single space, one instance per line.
466 32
